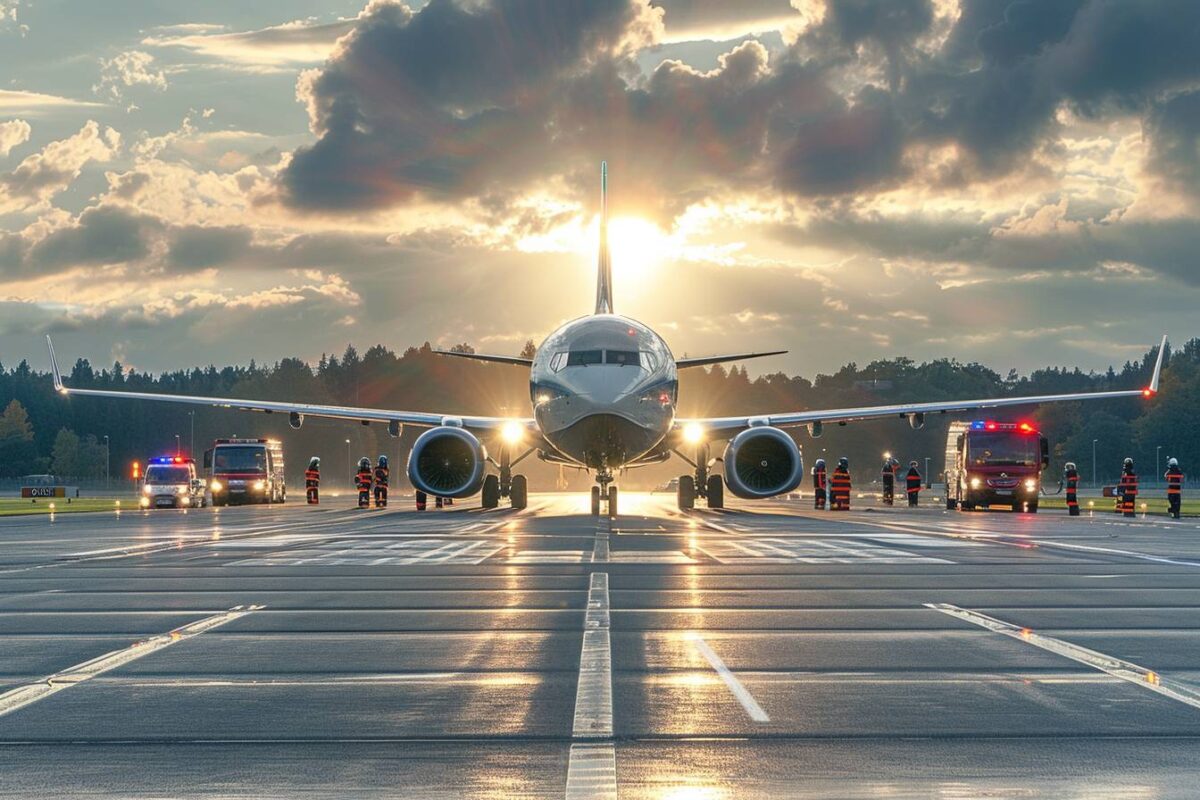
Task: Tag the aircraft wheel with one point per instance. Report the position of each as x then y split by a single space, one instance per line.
612 501
595 501
951 503
519 492
422 499
491 492
715 491
686 493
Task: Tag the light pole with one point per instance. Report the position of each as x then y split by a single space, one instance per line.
928 479
1157 474
177 444
1094 462
349 464
106 462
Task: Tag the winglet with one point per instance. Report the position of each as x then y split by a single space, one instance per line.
1153 387
604 299
58 382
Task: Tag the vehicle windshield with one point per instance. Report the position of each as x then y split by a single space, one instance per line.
583 358
1004 450
622 357
167 474
247 458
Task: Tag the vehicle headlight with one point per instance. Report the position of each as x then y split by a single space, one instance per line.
260 485
216 486
145 502
147 489
1030 484
976 483
182 490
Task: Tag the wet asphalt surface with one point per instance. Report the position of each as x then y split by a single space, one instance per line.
764 651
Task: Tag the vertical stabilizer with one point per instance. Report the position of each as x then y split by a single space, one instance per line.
604 302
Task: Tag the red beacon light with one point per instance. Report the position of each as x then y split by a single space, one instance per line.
991 426
1026 427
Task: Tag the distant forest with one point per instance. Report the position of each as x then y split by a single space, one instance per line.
41 432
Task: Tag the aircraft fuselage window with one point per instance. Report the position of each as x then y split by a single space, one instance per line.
622 357
582 358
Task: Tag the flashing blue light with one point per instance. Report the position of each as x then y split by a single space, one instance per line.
977 425
169 460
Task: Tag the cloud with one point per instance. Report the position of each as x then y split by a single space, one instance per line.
44 174
13 133
15 101
299 42
131 68
719 20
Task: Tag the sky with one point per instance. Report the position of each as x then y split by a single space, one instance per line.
1014 182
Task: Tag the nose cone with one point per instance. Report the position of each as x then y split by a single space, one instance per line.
604 384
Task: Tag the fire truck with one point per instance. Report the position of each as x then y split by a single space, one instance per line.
245 471
995 463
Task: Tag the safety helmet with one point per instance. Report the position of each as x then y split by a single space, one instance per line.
314 463
1172 462
383 461
843 462
1069 465
364 463
1129 462
912 463
820 462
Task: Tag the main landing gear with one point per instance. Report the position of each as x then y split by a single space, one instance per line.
703 483
605 492
506 484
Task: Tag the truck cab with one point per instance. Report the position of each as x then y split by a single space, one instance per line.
246 471
995 463
171 482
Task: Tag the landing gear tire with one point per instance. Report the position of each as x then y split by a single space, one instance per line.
612 501
951 504
686 493
715 491
595 501
518 493
422 500
491 492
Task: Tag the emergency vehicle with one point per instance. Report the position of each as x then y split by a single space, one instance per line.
245 471
994 463
171 482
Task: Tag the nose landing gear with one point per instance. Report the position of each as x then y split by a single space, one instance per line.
606 491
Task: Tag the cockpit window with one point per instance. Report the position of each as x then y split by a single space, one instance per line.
625 358
582 358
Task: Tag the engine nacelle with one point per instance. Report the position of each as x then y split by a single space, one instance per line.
295 419
447 462
917 421
395 428
815 429
762 462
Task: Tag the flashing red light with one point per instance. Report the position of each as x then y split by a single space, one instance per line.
991 426
1026 427
1147 392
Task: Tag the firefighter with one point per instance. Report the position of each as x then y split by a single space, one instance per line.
820 484
1174 476
912 483
1128 488
381 482
312 481
362 480
1071 479
839 486
887 476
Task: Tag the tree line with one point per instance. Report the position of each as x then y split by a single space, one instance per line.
43 432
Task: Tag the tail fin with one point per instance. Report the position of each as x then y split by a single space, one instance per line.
604 301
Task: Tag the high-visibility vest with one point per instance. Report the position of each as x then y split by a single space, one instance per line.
1072 487
312 477
841 480
819 478
381 476
364 479
1129 484
1174 481
913 480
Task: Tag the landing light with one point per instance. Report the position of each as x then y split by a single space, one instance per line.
512 432
693 433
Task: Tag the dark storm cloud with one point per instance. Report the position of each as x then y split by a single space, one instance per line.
1174 129
102 235
197 247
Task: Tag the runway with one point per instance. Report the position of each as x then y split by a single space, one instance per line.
763 651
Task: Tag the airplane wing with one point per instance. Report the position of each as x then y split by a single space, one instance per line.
725 427
524 362
363 415
684 363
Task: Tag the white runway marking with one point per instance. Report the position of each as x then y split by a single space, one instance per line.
371 552
778 550
735 686
1118 668
22 696
592 769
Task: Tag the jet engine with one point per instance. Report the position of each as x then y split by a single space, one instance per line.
917 420
295 419
762 462
447 462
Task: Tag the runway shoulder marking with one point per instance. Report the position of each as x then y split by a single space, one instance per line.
22 696
753 709
592 766
1111 665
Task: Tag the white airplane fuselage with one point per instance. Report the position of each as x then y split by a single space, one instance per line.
604 390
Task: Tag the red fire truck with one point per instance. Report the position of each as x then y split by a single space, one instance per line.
995 463
245 471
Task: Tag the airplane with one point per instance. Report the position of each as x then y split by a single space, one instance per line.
604 389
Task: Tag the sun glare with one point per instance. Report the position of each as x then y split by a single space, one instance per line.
636 246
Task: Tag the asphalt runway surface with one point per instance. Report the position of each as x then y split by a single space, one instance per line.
763 651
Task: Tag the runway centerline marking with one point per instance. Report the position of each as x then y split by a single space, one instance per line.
1111 665
731 681
28 694
592 766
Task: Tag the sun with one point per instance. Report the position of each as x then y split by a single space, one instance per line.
636 247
